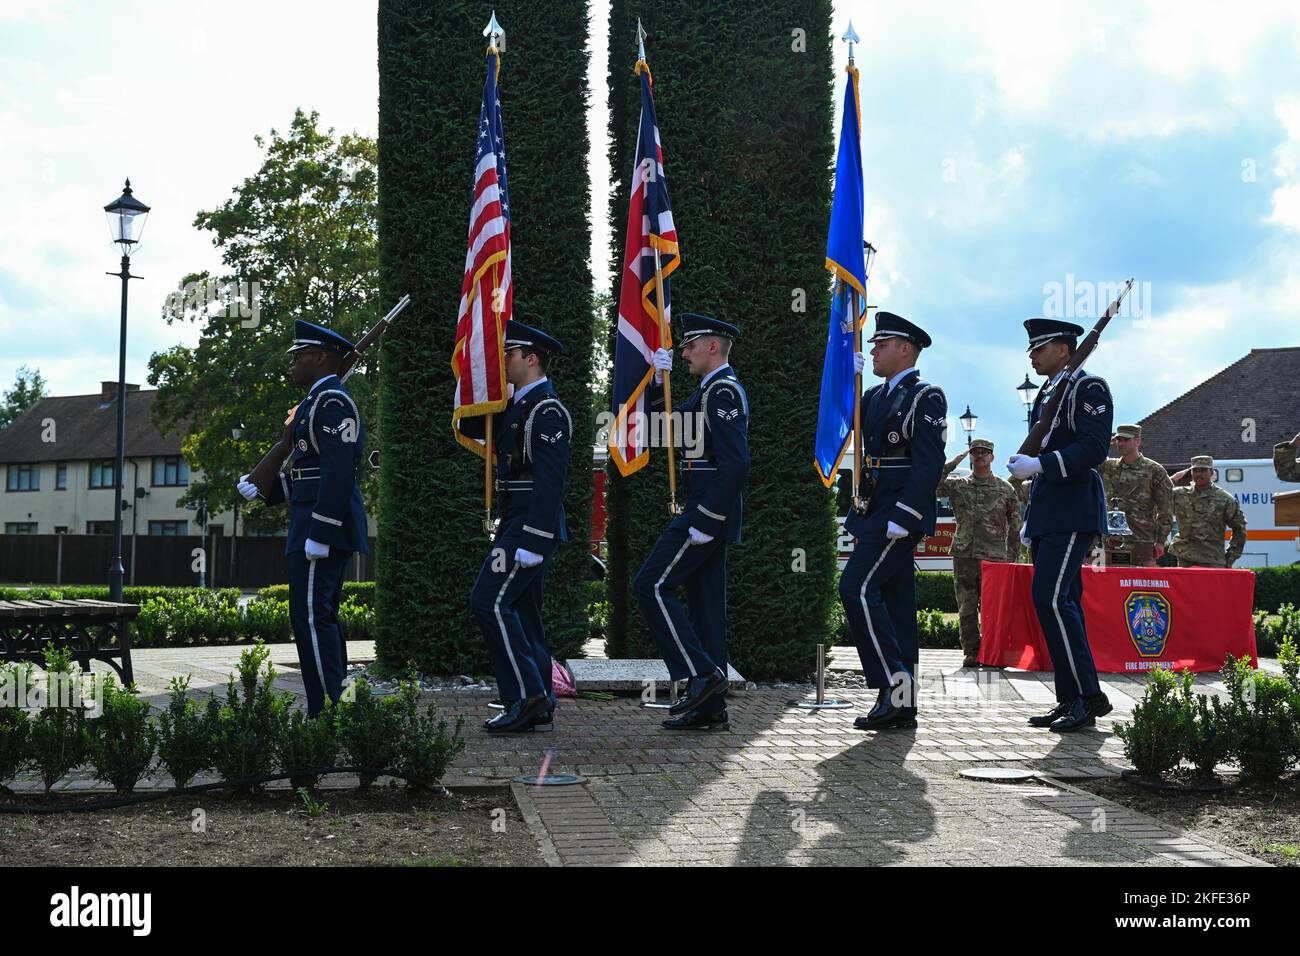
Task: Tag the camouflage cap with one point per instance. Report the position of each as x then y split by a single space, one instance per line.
981 444
1202 461
1128 431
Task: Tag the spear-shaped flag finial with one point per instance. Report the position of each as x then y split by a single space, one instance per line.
850 37
640 39
493 31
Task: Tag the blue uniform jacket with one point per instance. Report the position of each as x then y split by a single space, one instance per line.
1068 494
716 479
321 485
532 465
903 434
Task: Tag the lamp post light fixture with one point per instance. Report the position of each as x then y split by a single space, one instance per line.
1026 391
126 217
869 253
968 420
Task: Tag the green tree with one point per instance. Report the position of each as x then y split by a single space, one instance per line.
431 69
29 388
743 100
298 241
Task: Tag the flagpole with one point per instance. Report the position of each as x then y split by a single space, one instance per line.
493 31
857 404
665 340
851 37
665 337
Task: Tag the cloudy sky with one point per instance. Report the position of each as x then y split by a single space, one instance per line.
1011 150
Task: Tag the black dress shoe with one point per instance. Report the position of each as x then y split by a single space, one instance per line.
1045 720
1082 713
698 690
881 707
892 719
696 720
521 716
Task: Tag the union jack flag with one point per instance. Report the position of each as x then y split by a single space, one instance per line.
649 228
486 295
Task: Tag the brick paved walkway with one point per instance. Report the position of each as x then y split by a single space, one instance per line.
789 786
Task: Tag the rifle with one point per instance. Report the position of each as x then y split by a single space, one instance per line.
1033 443
264 474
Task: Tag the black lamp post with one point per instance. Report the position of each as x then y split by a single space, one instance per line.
1026 390
968 420
126 216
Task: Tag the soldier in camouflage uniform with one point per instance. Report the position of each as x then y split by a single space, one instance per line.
1284 460
988 529
1203 511
1141 489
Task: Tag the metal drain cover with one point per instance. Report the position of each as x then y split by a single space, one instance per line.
999 774
549 779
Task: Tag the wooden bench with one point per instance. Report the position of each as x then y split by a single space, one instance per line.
91 630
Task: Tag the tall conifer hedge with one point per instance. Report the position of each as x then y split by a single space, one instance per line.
743 94
431 69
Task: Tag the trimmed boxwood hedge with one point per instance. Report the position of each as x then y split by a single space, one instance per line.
935 592
1277 586
362 592
130 595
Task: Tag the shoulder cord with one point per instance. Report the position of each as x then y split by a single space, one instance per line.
311 417
528 424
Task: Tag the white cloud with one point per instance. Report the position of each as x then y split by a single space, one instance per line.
1286 198
176 112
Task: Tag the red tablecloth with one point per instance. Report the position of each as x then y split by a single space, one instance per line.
1137 618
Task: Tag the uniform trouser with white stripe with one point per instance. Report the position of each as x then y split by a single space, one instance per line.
1058 599
315 588
691 644
878 591
507 603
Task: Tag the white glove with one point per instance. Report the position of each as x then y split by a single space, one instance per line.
662 360
859 363
510 390
699 537
527 559
316 550
247 488
1024 538
1024 466
896 531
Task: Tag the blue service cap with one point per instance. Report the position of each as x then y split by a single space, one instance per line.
694 325
518 334
308 335
1042 331
891 326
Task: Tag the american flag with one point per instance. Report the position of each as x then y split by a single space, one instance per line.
649 227
486 295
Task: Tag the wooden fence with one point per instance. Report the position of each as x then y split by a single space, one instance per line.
153 560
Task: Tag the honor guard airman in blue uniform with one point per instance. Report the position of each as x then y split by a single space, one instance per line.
904 429
1067 510
327 519
692 551
532 466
